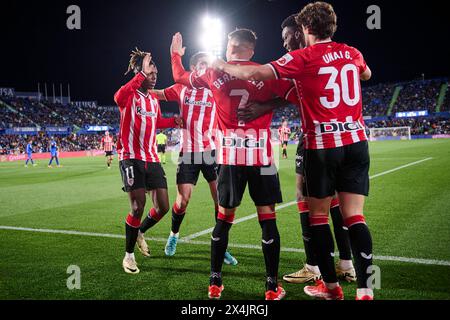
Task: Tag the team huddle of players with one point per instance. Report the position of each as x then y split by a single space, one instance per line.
225 115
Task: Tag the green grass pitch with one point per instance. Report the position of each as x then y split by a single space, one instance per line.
407 211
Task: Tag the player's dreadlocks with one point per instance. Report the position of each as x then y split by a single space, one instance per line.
136 58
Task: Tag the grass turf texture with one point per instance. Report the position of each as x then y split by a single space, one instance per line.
407 211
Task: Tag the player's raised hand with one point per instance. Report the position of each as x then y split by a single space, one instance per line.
146 63
218 64
177 44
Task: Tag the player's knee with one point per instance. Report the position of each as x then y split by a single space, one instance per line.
318 209
300 196
163 208
299 185
184 201
137 209
137 213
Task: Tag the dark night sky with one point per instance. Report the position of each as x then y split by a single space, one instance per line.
37 47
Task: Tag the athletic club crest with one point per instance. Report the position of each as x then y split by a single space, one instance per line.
130 181
130 175
284 60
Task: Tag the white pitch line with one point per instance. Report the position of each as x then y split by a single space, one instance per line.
399 168
382 258
232 245
254 215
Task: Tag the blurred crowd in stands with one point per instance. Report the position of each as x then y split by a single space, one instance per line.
418 95
376 99
17 143
23 112
446 104
46 113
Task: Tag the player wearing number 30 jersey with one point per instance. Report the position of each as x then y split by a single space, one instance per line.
328 77
338 120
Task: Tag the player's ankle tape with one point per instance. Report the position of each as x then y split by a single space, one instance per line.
318 220
334 202
354 220
154 214
133 221
266 216
227 218
302 206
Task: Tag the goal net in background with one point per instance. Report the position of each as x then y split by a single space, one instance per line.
394 133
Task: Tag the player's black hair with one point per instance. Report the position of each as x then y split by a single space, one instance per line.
197 56
289 22
244 35
136 58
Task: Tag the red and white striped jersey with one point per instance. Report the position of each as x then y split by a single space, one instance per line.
140 116
238 143
198 110
284 133
107 143
327 78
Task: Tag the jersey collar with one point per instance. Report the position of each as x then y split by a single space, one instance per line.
324 41
238 60
143 94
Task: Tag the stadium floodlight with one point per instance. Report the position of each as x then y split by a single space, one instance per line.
212 36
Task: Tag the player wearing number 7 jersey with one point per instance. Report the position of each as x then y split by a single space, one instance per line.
336 157
244 153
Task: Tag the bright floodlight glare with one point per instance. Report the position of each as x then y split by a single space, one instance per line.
212 35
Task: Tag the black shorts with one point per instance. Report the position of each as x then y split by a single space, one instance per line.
299 158
300 163
161 148
343 169
191 163
284 143
108 153
137 174
263 184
